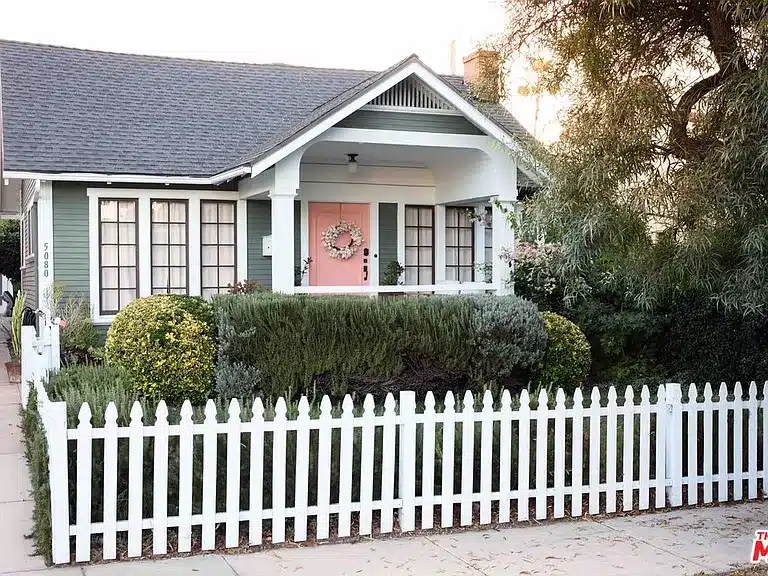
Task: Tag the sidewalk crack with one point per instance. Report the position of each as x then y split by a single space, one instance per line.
654 546
456 556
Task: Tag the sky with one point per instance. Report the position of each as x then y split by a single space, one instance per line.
363 34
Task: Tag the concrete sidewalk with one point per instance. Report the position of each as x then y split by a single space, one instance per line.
681 542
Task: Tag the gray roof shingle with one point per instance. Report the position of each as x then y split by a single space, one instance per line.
72 110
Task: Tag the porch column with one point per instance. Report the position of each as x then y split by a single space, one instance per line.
503 181
282 197
479 235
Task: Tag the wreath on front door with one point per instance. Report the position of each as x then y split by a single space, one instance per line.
331 236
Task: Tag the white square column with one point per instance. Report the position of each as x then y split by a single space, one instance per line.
282 197
503 182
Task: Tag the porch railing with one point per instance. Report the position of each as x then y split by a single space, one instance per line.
463 288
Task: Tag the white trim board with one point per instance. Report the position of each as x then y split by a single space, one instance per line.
128 178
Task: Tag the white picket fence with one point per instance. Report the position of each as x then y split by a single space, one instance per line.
376 471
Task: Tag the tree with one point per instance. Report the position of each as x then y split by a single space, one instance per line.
10 250
661 173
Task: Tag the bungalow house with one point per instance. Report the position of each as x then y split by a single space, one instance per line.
142 175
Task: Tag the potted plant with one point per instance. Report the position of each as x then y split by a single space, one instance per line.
13 366
391 277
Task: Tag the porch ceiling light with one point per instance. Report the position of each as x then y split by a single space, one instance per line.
352 163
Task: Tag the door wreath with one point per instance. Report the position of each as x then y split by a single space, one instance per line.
331 236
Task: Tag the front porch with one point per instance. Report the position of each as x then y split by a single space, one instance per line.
434 203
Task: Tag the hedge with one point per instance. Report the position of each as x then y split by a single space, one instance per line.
340 344
568 357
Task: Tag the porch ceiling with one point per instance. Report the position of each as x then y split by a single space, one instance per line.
433 158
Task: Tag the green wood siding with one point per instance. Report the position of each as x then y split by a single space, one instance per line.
387 235
29 282
410 122
70 237
260 225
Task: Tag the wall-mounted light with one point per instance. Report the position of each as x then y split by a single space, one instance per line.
352 164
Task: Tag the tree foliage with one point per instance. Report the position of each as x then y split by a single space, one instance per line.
10 249
661 173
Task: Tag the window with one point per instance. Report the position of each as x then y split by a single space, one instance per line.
117 254
459 244
488 243
419 242
218 250
169 247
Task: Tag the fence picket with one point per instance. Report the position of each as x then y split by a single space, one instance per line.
542 424
738 432
185 477
486 458
208 541
84 463
610 453
278 472
301 487
628 448
160 484
110 482
594 453
366 466
708 409
467 458
765 437
345 467
232 533
135 480
660 491
524 456
645 447
388 465
722 443
577 447
256 475
505 459
693 445
673 451
324 469
407 468
428 464
449 433
559 506
752 435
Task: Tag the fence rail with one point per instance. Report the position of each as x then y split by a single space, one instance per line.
249 474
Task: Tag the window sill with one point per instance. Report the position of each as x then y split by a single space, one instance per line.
103 320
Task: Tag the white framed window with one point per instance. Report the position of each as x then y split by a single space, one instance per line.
29 234
118 254
218 246
170 247
459 244
419 245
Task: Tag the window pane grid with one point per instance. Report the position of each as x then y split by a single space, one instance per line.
118 254
488 243
459 245
169 247
218 246
419 245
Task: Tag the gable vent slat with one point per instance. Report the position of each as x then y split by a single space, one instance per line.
411 93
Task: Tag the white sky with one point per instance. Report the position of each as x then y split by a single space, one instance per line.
361 34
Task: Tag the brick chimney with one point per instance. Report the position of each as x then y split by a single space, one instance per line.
482 72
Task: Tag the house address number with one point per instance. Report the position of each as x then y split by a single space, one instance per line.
46 256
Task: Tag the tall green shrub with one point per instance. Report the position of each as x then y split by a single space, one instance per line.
345 344
566 362
510 337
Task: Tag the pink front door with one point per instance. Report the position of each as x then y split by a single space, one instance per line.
328 271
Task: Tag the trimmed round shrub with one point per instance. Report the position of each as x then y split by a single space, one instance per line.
167 345
568 356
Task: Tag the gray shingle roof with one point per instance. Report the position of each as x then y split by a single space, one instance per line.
71 110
